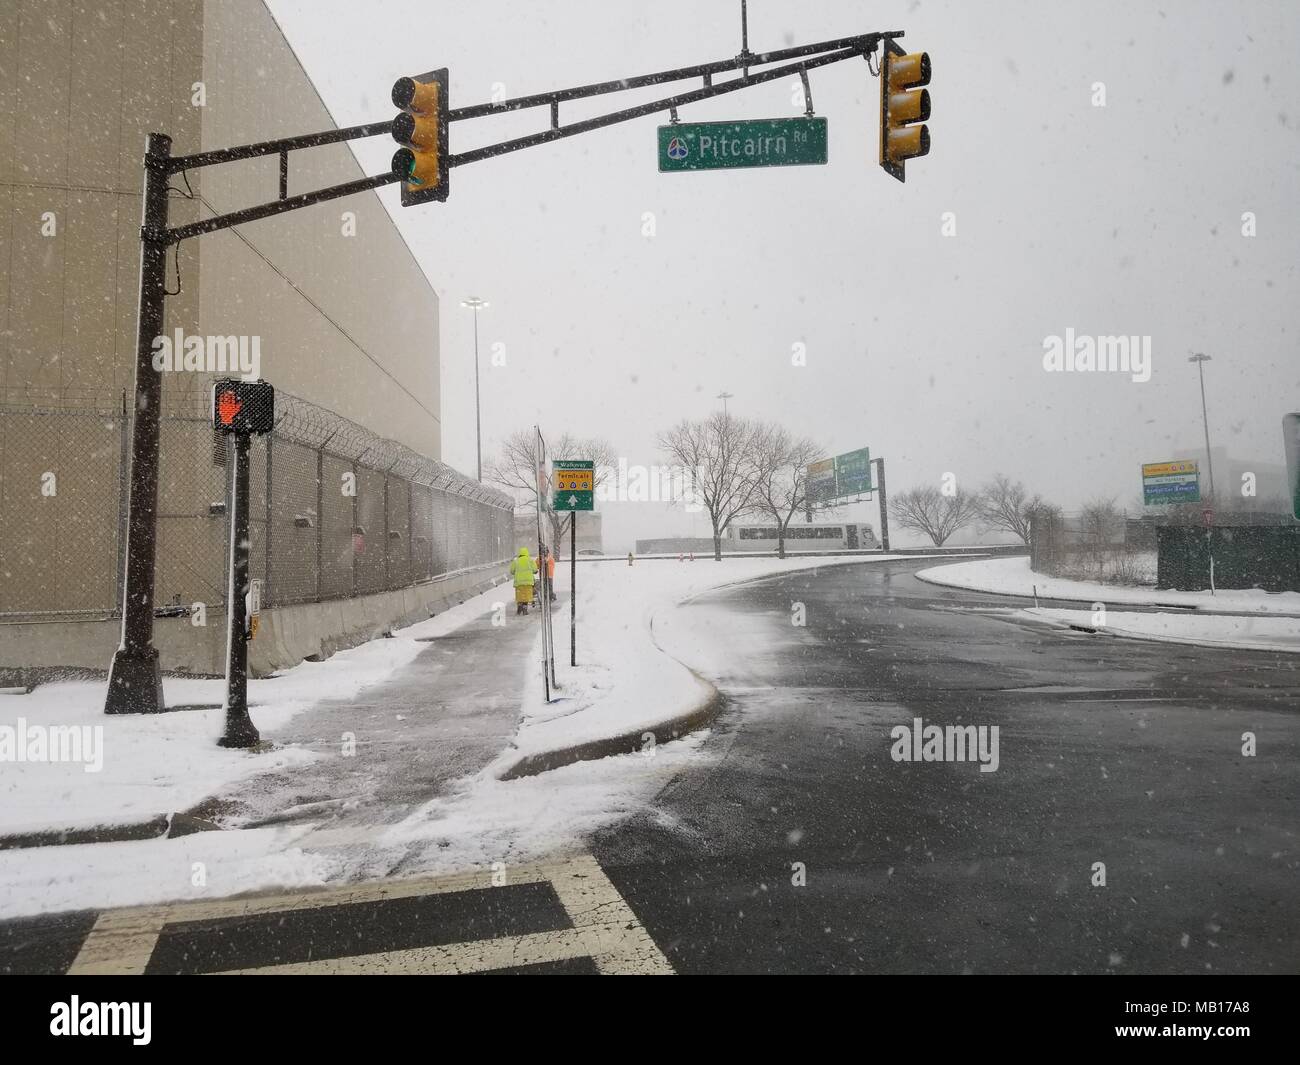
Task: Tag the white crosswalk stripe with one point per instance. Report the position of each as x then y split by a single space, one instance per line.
604 928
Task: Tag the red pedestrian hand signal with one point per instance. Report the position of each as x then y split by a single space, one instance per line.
243 407
227 407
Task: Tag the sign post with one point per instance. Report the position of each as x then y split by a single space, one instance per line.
884 509
575 490
540 457
573 588
240 409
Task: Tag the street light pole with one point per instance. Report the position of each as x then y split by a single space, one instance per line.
474 303
1200 361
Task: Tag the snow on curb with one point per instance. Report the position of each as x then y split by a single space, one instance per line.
1012 576
637 693
1206 630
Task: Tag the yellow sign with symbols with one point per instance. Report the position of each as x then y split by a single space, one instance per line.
574 480
575 484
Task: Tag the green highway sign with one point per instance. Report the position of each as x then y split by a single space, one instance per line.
853 472
733 145
1291 442
575 484
844 475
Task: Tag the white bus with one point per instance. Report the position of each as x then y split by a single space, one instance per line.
801 536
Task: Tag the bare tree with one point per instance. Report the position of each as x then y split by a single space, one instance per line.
927 510
1006 505
514 470
719 454
1101 531
781 481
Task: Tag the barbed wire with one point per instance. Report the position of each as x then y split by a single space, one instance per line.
297 420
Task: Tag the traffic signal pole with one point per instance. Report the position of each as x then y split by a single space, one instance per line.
135 676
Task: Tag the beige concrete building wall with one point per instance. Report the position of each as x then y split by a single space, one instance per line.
347 321
76 101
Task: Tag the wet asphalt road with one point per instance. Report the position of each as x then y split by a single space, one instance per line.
1111 751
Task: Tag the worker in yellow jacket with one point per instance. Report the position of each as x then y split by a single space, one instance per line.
524 571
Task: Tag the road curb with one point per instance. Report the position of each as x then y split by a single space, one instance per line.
129 832
1185 608
630 742
1178 641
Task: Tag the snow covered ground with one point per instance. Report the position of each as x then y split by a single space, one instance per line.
157 764
625 682
1012 576
1207 630
482 821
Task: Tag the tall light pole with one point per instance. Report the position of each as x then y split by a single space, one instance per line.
724 396
1200 361
476 304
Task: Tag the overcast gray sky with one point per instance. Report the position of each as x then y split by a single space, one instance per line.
1122 219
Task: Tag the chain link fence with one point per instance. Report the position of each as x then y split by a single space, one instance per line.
1106 544
336 511
1101 544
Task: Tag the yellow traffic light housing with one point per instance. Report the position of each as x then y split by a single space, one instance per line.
903 102
421 129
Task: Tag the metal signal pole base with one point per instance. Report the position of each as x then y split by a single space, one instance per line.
240 730
135 683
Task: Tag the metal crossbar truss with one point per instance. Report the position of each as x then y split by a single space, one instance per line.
783 63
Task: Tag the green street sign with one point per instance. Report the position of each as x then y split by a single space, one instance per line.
735 145
853 472
575 484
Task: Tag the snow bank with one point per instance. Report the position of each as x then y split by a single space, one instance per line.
208 865
1012 576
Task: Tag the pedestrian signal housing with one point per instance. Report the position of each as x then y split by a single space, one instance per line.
243 406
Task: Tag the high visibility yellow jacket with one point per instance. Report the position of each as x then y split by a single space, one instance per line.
523 569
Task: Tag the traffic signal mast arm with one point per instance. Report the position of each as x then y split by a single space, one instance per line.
805 57
810 56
